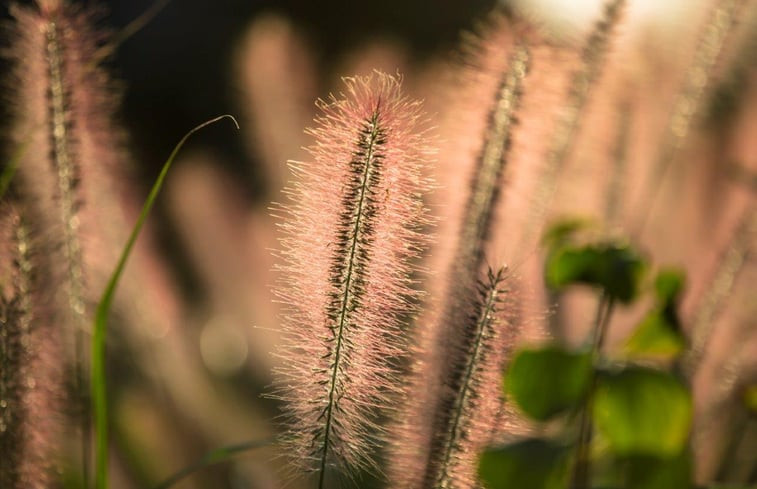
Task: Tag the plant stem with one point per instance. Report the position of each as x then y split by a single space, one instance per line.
582 467
67 172
348 286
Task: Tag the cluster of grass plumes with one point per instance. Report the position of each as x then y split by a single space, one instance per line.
408 267
66 193
439 431
55 89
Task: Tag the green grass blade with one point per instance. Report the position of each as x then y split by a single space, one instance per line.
211 458
99 404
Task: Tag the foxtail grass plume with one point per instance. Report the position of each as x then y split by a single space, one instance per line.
435 442
62 103
48 175
74 176
721 287
29 361
460 331
62 107
353 230
471 413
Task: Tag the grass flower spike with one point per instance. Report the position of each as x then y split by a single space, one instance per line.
61 101
474 409
353 230
29 361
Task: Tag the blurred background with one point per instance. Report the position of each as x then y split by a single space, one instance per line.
188 373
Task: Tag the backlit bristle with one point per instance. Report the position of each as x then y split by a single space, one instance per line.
443 344
62 110
352 230
474 403
29 362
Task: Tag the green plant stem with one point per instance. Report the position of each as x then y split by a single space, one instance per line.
213 457
582 467
602 323
99 397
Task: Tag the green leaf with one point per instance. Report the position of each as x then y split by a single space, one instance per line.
547 381
659 334
669 285
655 337
641 411
99 330
532 464
615 268
647 472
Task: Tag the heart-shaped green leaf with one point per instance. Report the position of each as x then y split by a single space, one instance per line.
617 269
641 411
547 381
655 337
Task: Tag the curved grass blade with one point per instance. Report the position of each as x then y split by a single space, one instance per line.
99 404
213 457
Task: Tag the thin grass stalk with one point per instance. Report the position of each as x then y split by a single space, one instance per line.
581 475
99 329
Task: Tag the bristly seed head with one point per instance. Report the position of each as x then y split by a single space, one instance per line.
476 401
353 229
435 426
29 372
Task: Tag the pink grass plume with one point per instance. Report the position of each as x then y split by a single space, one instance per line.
30 365
353 229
